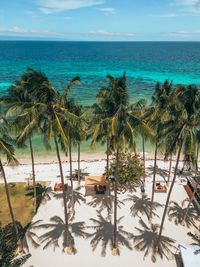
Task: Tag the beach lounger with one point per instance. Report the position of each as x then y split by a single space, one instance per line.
59 187
160 189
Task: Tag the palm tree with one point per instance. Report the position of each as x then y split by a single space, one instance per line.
197 181
142 205
122 123
177 212
58 230
102 202
103 229
7 150
182 126
22 109
147 240
53 117
78 197
72 129
161 99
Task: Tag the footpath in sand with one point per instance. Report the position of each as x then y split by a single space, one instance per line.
92 246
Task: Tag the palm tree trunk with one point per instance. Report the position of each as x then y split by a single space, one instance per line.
10 206
168 198
108 169
70 169
33 173
69 249
197 169
143 150
79 169
170 168
190 201
114 252
153 184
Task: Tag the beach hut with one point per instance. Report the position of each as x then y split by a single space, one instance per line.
95 185
190 255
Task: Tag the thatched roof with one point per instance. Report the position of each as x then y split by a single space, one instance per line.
95 180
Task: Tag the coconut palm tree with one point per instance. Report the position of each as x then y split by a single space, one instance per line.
187 211
142 205
21 108
147 239
176 212
161 100
7 150
103 229
121 123
58 230
53 117
182 125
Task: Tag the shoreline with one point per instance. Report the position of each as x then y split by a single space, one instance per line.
85 157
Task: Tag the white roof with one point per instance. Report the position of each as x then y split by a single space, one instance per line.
188 255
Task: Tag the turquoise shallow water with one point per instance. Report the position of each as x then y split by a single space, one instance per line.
145 63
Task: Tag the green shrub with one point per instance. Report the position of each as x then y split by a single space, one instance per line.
130 168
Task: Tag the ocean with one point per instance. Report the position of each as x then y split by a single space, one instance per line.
145 63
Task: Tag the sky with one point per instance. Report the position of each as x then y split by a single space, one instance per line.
100 20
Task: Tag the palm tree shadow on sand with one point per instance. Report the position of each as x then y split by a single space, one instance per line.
103 234
58 231
159 171
30 236
147 239
103 202
142 205
78 197
176 213
48 194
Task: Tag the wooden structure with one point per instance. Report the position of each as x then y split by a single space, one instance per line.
162 189
92 183
193 183
59 187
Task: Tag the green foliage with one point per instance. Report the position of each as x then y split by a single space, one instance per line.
130 168
40 191
8 243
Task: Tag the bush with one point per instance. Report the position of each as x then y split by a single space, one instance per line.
8 243
130 168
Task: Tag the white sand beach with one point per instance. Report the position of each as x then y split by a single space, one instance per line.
53 255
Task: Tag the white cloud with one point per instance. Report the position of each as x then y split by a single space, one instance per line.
114 34
108 10
191 35
180 34
16 31
29 12
46 10
52 6
170 15
191 6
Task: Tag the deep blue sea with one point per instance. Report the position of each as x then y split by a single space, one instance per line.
145 63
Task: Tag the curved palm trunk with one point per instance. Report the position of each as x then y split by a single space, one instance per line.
153 184
70 162
108 169
79 169
190 201
168 198
10 206
114 251
33 173
69 249
170 168
143 150
197 169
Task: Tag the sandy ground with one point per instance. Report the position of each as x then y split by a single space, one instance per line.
52 205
